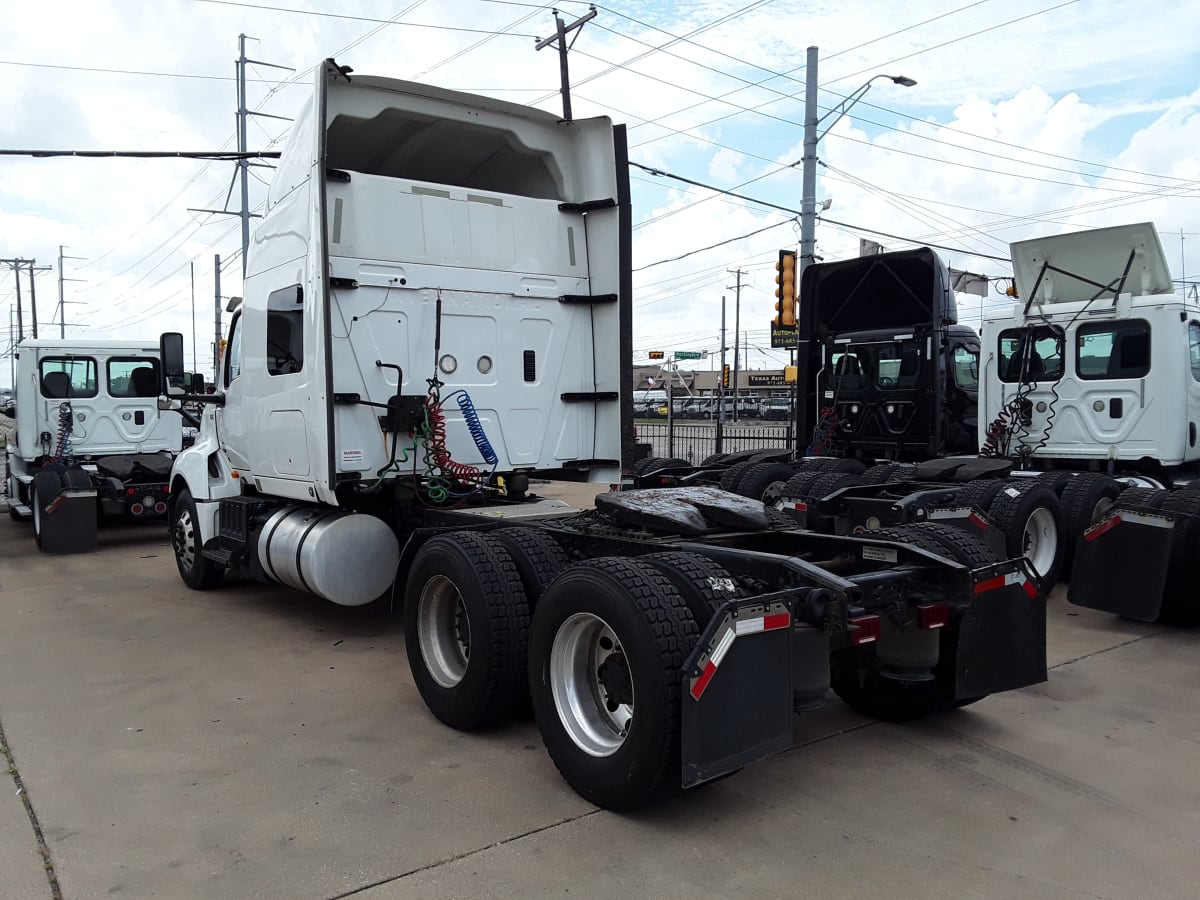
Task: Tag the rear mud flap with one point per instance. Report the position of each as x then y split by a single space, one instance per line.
1002 634
1121 564
737 691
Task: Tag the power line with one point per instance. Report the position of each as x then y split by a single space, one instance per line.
153 74
351 18
859 228
714 246
215 155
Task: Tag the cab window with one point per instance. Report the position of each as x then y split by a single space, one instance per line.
233 351
965 362
1113 350
1194 348
898 365
1031 354
847 372
73 376
133 377
285 331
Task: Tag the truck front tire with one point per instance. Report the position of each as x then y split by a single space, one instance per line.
198 572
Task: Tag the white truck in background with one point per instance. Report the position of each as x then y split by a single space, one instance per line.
438 307
90 441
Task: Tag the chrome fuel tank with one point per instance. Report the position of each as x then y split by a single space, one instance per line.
346 558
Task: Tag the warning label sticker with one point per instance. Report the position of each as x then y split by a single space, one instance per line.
880 554
353 457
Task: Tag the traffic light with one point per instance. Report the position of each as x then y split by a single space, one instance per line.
656 354
725 376
785 289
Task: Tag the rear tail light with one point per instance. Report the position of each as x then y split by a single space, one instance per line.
137 509
864 630
933 615
160 507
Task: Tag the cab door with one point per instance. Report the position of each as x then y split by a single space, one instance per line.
231 417
1191 450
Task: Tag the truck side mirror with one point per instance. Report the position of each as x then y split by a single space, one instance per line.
170 352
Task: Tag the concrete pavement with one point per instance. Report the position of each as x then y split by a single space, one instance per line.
255 742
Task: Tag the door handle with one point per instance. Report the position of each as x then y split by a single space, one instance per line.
1116 408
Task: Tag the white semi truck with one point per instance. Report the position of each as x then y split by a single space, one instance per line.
90 441
1071 422
438 307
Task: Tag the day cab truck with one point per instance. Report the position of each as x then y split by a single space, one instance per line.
90 442
1070 424
437 310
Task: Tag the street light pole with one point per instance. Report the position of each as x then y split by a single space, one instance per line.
808 198
808 213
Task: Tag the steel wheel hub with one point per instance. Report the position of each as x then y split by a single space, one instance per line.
1041 539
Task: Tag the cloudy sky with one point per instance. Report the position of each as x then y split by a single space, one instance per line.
1028 117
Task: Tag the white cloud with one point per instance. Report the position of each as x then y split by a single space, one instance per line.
1076 82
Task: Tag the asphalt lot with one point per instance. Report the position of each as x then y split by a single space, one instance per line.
256 742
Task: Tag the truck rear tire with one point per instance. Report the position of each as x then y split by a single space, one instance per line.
656 464
703 584
1084 498
466 623
1030 518
956 544
607 649
197 572
537 556
765 481
731 476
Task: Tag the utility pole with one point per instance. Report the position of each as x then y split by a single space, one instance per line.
62 304
563 47
737 328
242 171
217 318
16 265
721 384
195 359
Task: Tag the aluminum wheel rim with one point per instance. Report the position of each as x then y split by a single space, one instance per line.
1041 539
185 540
774 493
443 631
37 513
583 644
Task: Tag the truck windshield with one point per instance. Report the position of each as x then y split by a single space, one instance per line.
893 365
1033 353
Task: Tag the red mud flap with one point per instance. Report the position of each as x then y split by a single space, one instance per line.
737 690
1002 633
1121 564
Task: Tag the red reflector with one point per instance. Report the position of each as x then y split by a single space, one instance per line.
778 620
990 584
933 615
977 520
136 509
1096 530
864 629
160 507
803 507
703 680
1031 590
131 491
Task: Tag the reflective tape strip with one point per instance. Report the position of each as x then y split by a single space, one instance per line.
723 646
977 520
763 623
1096 530
999 581
702 682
